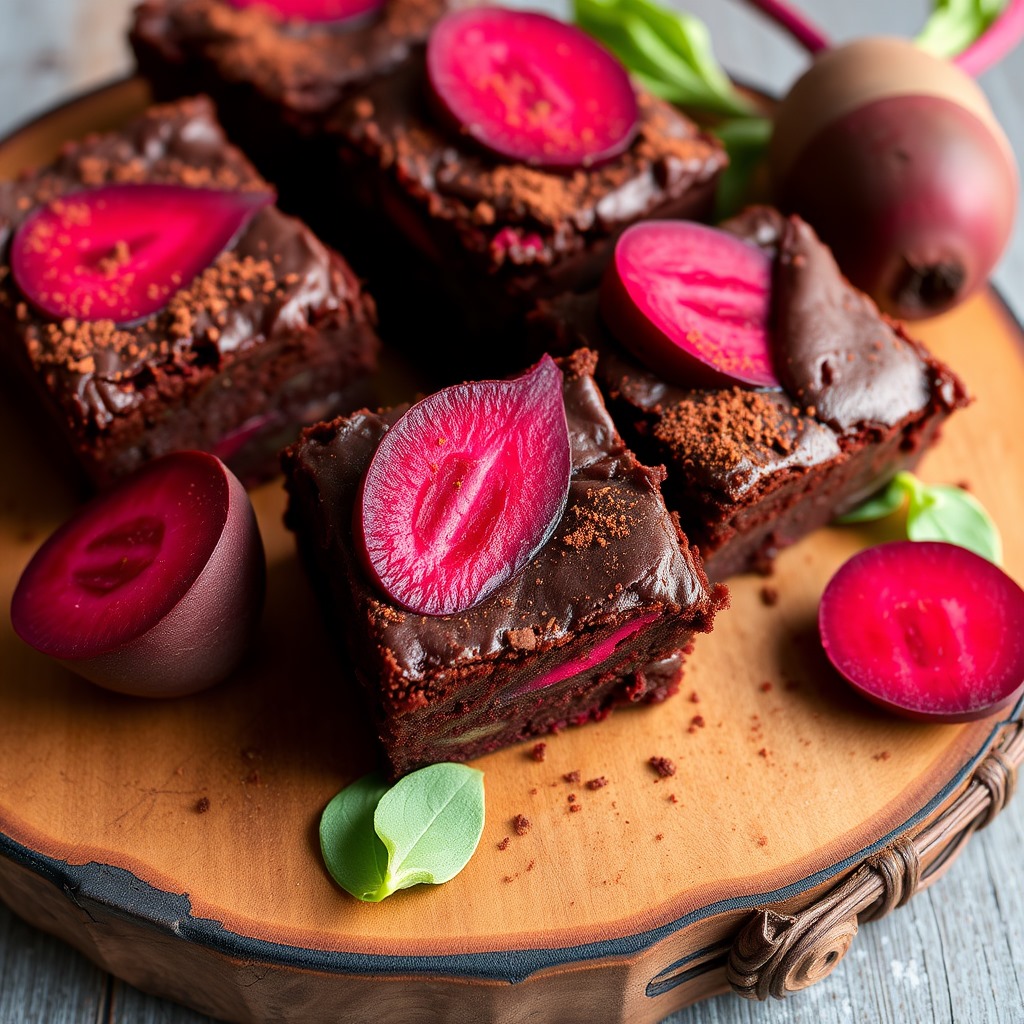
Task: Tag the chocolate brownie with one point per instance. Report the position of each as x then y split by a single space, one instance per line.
497 235
275 334
751 471
274 79
602 615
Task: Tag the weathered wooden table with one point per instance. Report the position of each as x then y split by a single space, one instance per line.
952 954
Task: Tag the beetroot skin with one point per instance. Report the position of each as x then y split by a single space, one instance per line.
119 252
531 88
464 489
315 10
692 303
927 629
155 588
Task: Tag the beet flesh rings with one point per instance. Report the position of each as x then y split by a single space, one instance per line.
615 578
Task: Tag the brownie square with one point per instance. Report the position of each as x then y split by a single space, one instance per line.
751 471
274 79
494 235
602 615
275 334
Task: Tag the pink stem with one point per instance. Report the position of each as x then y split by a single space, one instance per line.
790 20
995 43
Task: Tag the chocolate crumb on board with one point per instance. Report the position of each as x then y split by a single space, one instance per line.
202 805
694 698
766 686
573 808
503 845
664 766
522 824
539 751
882 755
769 596
573 776
599 783
697 722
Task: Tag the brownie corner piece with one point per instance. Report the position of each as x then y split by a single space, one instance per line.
274 333
752 470
602 615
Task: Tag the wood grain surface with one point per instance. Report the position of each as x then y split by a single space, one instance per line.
944 957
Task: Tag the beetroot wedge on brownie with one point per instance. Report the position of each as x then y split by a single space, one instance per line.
155 299
775 393
498 564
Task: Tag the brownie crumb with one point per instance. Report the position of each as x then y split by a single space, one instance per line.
882 755
573 776
762 840
573 808
522 824
522 639
697 722
672 798
664 766
769 596
202 805
659 836
694 699
572 798
766 686
503 845
539 751
599 783
763 752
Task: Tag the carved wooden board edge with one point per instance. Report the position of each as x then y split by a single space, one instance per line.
776 953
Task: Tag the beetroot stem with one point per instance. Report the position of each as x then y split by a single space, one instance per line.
995 43
796 24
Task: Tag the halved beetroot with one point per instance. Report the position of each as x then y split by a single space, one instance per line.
464 489
316 10
119 252
927 629
692 303
154 588
531 88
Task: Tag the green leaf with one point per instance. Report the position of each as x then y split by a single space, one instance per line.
953 515
881 505
430 822
352 850
376 840
934 512
668 53
955 24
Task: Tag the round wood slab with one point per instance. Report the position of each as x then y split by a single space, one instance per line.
175 842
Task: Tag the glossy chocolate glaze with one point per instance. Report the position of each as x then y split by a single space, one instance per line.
860 400
452 683
287 291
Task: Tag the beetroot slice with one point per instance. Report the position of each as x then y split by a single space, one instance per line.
316 10
119 252
927 629
531 88
152 588
692 303
464 489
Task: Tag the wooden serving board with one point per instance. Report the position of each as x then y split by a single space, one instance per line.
175 843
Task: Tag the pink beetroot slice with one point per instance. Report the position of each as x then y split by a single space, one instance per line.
927 629
316 10
119 252
692 303
531 88
464 489
155 586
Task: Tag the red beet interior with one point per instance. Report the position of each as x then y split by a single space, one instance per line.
119 252
464 489
531 88
926 628
125 560
316 10
692 303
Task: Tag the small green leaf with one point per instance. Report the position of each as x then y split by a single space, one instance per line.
352 850
668 52
953 515
881 505
934 512
955 24
376 840
430 821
